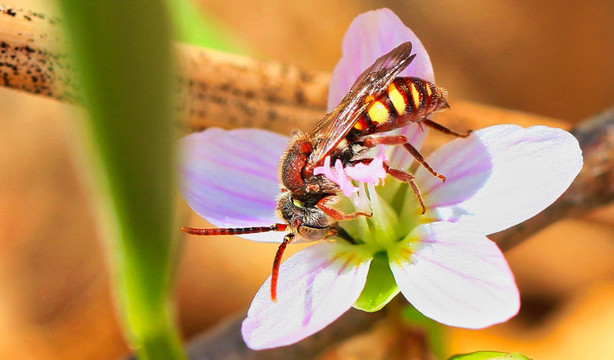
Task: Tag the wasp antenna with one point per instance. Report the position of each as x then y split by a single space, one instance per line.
275 273
233 231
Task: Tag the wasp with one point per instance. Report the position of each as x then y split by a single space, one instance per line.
379 101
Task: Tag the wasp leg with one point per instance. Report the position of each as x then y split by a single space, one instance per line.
408 178
420 159
275 273
336 214
435 126
371 141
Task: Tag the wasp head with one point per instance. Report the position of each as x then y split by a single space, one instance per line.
303 216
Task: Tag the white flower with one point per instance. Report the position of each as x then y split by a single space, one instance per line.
442 261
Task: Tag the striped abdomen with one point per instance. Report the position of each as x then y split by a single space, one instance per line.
406 100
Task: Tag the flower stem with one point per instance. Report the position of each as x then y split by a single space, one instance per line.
122 56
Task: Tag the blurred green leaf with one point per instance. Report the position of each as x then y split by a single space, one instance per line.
193 26
122 54
489 355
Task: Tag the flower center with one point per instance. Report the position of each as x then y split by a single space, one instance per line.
395 213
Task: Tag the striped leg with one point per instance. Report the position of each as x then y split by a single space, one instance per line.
408 178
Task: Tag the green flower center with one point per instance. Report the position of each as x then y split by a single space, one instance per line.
396 212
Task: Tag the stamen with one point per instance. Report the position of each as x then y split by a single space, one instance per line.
336 175
369 171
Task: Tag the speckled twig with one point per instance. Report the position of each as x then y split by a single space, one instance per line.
32 58
226 343
235 91
214 89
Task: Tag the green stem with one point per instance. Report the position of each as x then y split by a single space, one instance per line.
122 56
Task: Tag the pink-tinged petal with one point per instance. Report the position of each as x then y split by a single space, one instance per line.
230 177
370 36
456 277
315 287
500 175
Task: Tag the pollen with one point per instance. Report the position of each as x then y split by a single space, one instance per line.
404 256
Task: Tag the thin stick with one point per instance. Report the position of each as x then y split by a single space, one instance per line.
234 91
32 58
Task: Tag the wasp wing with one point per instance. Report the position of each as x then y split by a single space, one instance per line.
372 83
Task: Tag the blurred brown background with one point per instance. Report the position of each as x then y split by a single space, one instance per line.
549 59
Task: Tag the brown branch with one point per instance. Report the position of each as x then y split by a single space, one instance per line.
215 89
225 342
233 91
31 58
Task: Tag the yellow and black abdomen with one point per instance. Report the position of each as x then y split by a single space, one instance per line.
406 100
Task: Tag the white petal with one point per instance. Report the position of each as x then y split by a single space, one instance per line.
455 277
230 177
315 287
500 176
